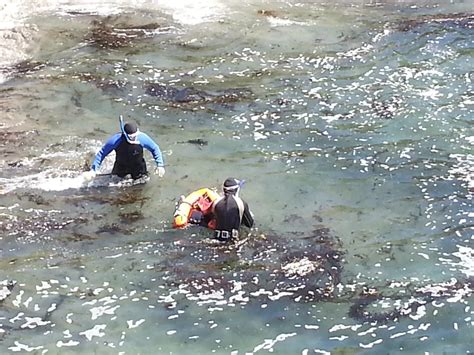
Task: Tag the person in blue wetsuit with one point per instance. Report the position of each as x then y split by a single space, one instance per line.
230 211
128 145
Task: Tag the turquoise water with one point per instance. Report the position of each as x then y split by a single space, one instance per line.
351 124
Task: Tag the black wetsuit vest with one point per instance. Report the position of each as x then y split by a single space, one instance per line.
229 216
129 160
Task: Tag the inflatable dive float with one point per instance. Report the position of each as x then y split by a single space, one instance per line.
195 208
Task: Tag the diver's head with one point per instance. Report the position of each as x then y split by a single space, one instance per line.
131 130
232 186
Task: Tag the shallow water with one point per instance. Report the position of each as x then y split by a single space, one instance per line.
350 122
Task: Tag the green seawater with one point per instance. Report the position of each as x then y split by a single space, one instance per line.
351 122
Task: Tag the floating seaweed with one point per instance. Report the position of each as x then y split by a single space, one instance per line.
198 141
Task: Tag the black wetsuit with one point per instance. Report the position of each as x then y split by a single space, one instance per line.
129 160
230 212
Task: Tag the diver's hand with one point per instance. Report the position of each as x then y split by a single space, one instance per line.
89 175
160 171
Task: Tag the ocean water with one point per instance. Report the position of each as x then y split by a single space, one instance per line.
350 121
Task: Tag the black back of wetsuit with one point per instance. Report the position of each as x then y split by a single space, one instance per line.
129 160
227 214
229 217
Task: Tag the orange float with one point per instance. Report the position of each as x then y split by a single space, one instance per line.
200 200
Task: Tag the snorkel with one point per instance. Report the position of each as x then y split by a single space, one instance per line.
241 184
122 128
232 186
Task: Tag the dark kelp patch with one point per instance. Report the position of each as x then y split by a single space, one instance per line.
106 35
191 95
113 228
79 237
35 198
130 217
125 198
262 266
406 302
106 85
18 138
267 268
31 225
22 68
462 20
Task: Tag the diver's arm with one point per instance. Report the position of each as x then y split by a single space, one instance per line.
247 218
110 145
152 147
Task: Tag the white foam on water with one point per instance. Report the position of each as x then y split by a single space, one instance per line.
268 344
191 12
466 256
18 39
94 332
282 22
61 344
52 180
47 180
15 13
194 12
24 347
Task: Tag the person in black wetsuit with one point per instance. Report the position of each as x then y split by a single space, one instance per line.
230 211
128 145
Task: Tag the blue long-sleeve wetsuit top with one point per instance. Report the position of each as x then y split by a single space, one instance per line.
144 140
